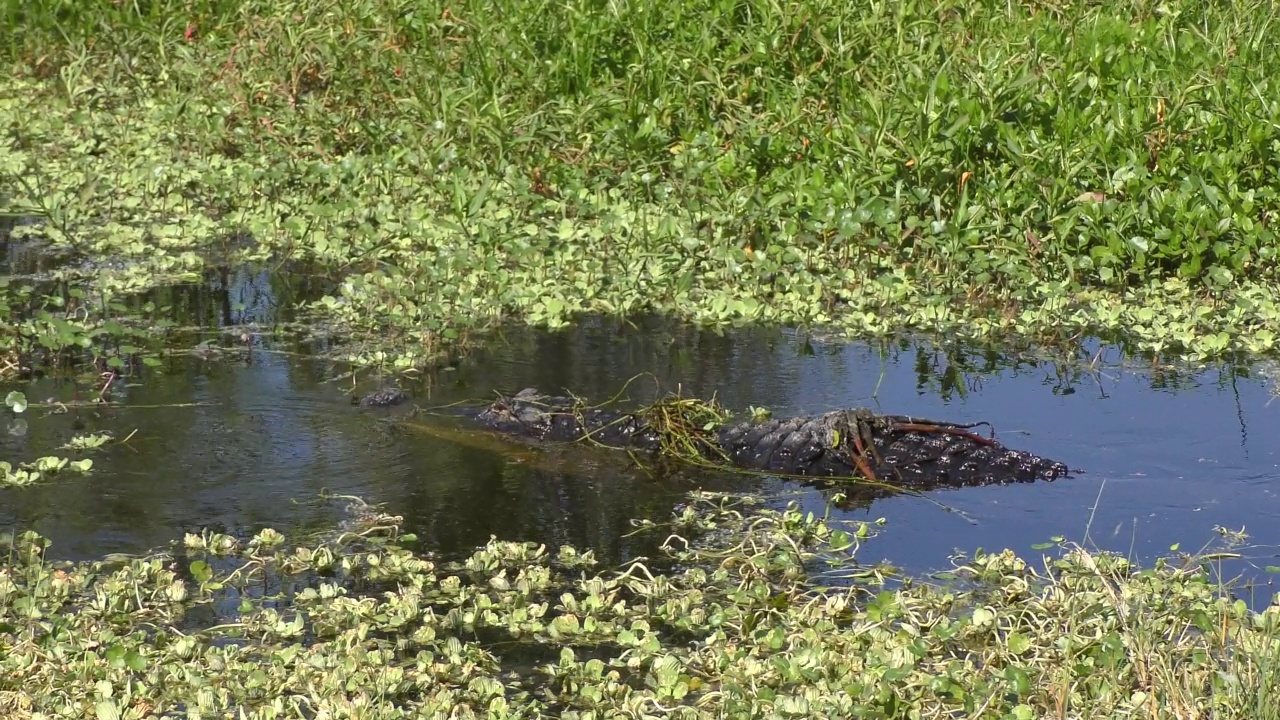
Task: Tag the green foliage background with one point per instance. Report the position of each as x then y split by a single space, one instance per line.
993 166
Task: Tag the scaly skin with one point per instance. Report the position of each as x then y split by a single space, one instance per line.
910 452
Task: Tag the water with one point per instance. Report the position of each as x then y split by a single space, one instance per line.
1166 454
249 438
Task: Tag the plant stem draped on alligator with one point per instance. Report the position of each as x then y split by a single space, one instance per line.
893 449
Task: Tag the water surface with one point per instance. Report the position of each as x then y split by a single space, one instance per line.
245 439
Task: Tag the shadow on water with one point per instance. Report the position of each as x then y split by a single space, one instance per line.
235 440
21 259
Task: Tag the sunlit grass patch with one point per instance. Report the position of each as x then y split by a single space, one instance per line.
974 167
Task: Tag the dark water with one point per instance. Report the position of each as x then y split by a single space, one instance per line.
248 439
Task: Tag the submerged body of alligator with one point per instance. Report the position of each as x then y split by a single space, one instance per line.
894 449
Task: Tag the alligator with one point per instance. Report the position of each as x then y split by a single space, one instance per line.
896 450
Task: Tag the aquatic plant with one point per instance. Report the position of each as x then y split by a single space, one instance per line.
36 470
975 168
751 611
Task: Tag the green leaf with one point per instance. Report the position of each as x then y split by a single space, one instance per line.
201 571
982 616
16 401
107 710
115 656
1018 643
135 661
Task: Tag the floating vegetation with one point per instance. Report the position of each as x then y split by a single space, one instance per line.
686 427
31 472
368 142
87 442
750 611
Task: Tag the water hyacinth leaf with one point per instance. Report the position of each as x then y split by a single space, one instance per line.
257 678
16 401
1018 643
107 710
201 571
135 661
49 463
983 616
115 655
567 658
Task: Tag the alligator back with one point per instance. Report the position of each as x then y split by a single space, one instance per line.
898 450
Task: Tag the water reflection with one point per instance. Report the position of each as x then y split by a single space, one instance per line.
1166 454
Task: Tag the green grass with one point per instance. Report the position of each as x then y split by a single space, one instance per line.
994 167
